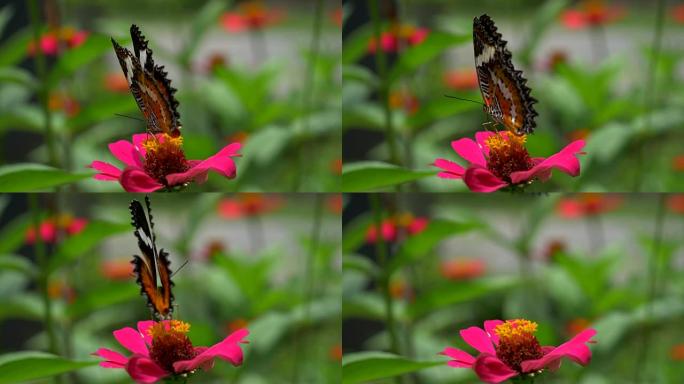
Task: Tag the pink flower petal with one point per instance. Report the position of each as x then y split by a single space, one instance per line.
143 327
131 339
460 358
136 180
479 339
228 349
481 139
418 36
480 179
492 370
126 153
489 326
143 370
233 22
566 161
452 170
140 138
470 151
220 163
113 359
575 349
107 171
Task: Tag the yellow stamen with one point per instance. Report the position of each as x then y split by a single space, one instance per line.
513 329
153 143
171 326
505 140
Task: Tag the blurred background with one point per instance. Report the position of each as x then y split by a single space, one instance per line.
263 73
268 263
609 72
441 263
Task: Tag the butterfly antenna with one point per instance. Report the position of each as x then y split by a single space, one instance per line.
179 268
130 117
460 98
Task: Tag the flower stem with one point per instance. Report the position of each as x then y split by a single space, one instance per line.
44 90
43 278
649 92
381 67
309 280
653 264
308 92
384 278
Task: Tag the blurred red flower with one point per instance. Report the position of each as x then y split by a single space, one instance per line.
553 248
116 82
401 290
335 353
555 58
397 36
238 137
248 204
578 134
335 203
59 101
250 16
591 13
336 16
678 163
678 13
676 203
50 42
587 204
461 79
216 60
462 268
390 227
677 352
237 324
58 289
336 166
117 269
404 100
578 325
50 227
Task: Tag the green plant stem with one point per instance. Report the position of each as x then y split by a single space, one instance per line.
384 277
257 44
43 278
649 92
381 67
308 92
595 233
44 90
653 264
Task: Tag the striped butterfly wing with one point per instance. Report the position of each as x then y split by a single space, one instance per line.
152 268
149 85
504 90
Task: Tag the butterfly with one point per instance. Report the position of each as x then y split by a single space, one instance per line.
149 85
507 98
152 268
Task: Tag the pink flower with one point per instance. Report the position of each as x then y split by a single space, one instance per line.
154 162
509 349
500 160
250 16
163 349
397 36
49 42
591 13
49 228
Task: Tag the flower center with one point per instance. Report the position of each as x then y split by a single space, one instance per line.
517 342
164 156
507 154
170 343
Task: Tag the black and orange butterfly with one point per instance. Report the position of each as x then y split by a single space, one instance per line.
152 268
506 96
149 85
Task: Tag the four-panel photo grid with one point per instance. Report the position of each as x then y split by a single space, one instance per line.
342 191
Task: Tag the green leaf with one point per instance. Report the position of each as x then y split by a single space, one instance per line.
73 59
204 19
545 17
102 297
31 365
15 48
356 44
28 177
367 366
17 263
452 293
18 76
13 235
421 244
355 233
77 245
436 43
370 175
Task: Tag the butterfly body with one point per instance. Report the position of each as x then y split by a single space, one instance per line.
152 268
149 85
506 96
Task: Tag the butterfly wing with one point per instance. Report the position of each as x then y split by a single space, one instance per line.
503 88
152 267
149 85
